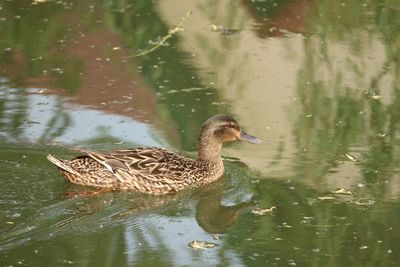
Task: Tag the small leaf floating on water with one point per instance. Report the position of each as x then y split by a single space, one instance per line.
307 222
342 191
201 244
217 237
375 97
285 225
364 202
223 30
350 157
35 2
30 121
326 198
261 212
213 27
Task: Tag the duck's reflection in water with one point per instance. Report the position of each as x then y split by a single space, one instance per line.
211 212
214 217
93 213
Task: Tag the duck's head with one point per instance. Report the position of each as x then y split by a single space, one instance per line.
219 129
224 128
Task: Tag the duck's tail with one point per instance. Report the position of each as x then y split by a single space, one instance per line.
62 165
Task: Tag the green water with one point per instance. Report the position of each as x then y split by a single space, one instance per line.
317 81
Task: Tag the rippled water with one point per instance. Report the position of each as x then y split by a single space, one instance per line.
317 81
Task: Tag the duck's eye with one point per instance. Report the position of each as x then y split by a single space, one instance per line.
230 125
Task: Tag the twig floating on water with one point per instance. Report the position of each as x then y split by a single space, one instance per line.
187 90
201 244
171 32
261 212
342 191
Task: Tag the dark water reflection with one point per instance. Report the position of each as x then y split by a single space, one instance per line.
318 81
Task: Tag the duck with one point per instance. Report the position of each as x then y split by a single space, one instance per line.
154 170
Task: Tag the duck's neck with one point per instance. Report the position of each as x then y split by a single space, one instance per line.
209 149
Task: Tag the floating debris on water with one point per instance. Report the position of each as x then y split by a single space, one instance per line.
31 121
307 222
365 202
376 97
261 212
217 237
285 225
164 39
326 198
187 90
35 2
223 30
350 157
201 244
342 191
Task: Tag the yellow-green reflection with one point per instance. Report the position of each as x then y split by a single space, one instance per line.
347 105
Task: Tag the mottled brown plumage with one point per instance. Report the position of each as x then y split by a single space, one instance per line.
155 170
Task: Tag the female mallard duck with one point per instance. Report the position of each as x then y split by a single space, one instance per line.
154 170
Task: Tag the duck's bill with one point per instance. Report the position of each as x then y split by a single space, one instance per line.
249 138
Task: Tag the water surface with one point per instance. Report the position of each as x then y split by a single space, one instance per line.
318 81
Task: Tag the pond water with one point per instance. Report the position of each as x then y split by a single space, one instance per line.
317 81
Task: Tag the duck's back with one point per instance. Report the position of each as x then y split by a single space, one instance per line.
149 170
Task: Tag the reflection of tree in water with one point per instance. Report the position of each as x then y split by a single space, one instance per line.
12 113
57 125
31 47
166 69
15 120
36 39
312 232
347 106
275 18
345 102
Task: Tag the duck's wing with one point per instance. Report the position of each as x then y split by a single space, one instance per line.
143 160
